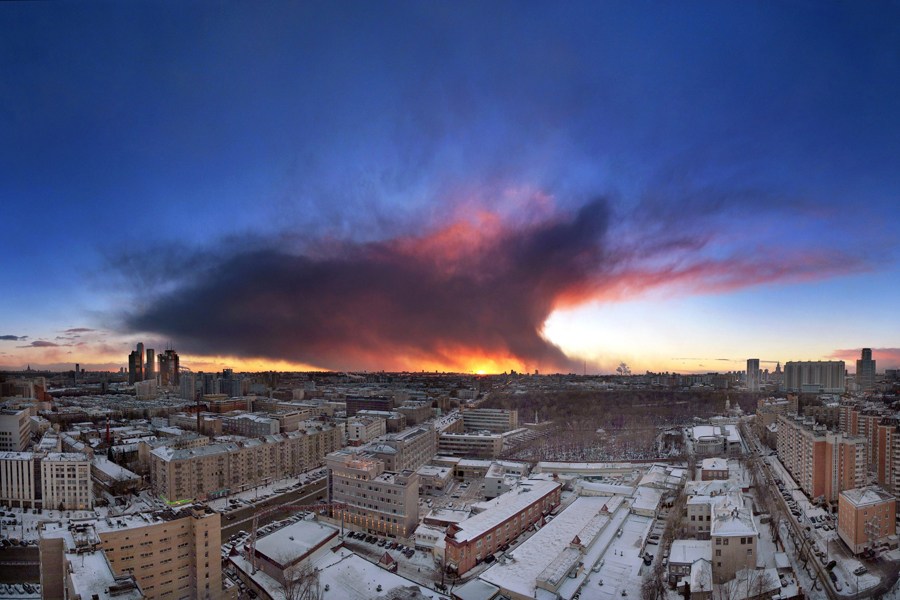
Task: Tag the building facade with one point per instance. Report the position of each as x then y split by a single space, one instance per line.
15 429
823 463
495 420
66 481
216 470
18 479
363 429
865 371
502 520
373 499
407 450
173 555
753 374
866 518
472 445
826 377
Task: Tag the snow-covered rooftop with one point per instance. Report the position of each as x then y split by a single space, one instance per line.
866 496
539 556
103 464
296 542
714 464
686 552
503 507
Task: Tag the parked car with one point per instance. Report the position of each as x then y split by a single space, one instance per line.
860 570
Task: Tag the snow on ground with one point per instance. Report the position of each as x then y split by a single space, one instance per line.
814 591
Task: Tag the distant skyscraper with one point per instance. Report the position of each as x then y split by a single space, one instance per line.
168 368
136 365
150 366
865 371
753 374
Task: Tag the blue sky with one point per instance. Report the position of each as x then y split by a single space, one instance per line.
745 155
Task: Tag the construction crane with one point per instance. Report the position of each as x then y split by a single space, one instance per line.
251 547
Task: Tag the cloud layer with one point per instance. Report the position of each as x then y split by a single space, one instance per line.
474 294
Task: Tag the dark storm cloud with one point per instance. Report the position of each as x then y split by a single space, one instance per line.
389 304
471 290
12 338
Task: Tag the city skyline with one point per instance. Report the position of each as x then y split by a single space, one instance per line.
524 187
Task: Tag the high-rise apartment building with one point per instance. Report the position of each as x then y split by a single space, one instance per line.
753 374
815 376
865 371
823 463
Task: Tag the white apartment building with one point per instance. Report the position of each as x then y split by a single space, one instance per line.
362 429
471 445
17 479
66 481
15 429
495 420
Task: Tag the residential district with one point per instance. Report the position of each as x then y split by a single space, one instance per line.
157 482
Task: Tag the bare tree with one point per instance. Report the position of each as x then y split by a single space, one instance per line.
654 585
300 583
759 583
726 591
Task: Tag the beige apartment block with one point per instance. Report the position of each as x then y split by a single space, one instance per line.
363 429
407 450
375 500
173 554
217 470
866 517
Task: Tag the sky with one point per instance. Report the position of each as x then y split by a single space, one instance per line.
472 187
